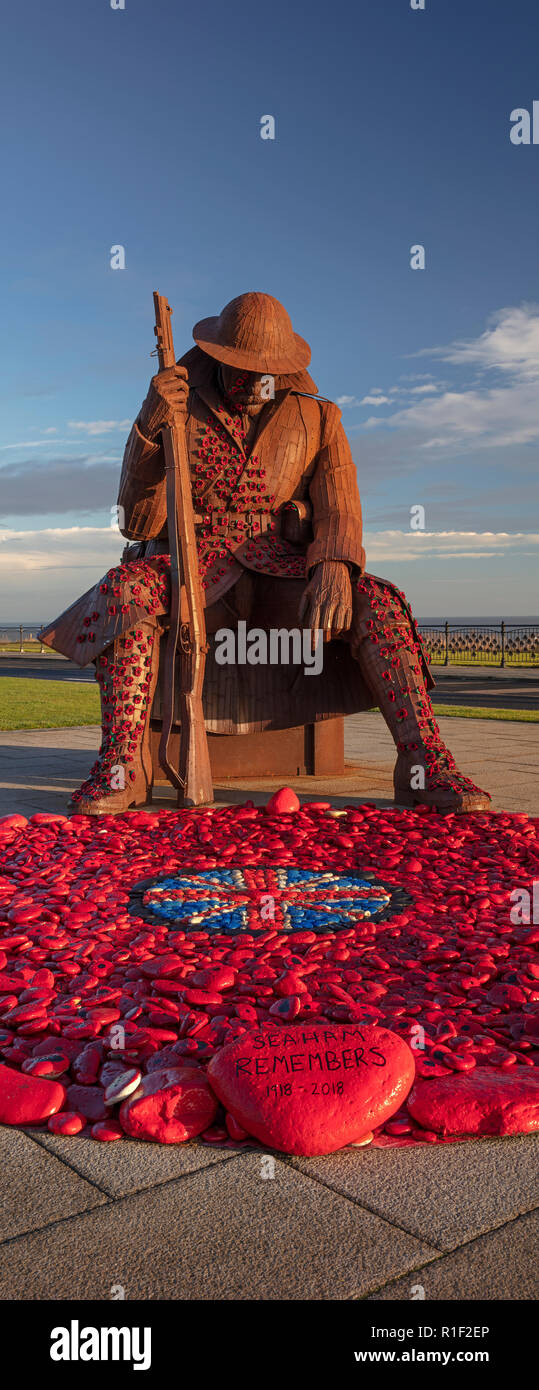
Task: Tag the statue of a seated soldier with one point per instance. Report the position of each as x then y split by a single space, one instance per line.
279 542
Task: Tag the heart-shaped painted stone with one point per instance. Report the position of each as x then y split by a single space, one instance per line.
482 1101
27 1100
312 1090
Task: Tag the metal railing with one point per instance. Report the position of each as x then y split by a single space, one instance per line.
21 638
501 644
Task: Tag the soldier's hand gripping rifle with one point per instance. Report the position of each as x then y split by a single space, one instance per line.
187 633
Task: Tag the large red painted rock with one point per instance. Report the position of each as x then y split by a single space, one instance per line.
169 1106
27 1100
312 1090
483 1101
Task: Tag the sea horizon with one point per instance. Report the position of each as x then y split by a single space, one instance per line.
435 621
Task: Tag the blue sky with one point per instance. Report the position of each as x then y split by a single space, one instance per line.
140 127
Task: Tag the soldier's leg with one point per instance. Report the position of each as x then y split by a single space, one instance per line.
126 672
388 650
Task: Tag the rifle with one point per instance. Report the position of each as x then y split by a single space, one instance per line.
187 631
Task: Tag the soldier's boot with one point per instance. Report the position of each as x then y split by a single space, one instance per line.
425 772
122 773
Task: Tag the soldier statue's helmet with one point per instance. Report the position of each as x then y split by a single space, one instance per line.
253 332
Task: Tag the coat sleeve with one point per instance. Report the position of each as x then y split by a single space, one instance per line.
333 489
142 497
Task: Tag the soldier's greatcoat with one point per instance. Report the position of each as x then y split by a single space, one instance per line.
273 510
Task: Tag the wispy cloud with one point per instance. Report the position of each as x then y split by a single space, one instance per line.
71 547
509 344
374 398
99 426
36 443
481 415
444 545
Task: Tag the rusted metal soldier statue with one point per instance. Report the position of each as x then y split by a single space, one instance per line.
279 539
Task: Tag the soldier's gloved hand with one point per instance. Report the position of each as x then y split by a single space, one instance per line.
326 603
166 400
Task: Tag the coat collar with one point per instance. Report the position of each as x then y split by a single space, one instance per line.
203 379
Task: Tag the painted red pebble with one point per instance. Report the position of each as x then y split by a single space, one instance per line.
166 964
397 1127
89 1100
47 1047
123 1086
343 1082
15 822
218 978
287 1008
506 995
109 1071
216 1134
290 983
107 1130
27 1100
66 1122
201 997
52 1066
283 802
234 1129
47 818
169 1107
484 1101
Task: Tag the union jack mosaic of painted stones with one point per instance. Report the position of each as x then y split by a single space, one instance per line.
249 899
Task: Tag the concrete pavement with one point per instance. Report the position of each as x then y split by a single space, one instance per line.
39 768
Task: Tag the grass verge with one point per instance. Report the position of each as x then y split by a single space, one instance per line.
39 704
527 716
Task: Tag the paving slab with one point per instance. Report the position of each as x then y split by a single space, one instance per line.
498 1267
129 1166
36 1188
446 1194
222 1233
41 767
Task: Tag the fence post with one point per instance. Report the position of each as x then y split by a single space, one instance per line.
446 660
502 662
21 643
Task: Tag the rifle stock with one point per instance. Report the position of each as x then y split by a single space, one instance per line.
187 632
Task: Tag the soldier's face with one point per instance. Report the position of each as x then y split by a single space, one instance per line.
243 387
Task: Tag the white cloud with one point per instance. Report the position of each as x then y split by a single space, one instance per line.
444 545
99 426
375 397
97 547
72 547
509 344
36 443
481 415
